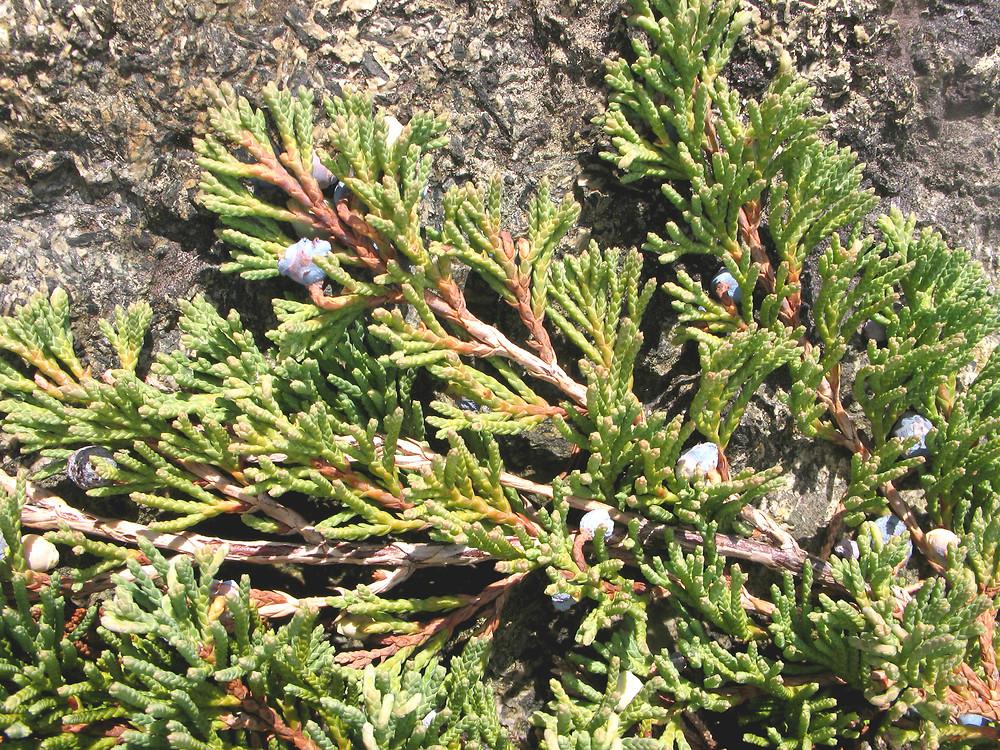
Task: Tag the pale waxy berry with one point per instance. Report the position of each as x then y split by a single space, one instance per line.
298 261
562 602
912 425
40 554
597 519
892 526
972 720
847 549
229 588
700 461
323 176
81 471
725 283
629 686
938 543
887 527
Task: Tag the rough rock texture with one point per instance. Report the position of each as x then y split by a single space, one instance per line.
99 102
912 86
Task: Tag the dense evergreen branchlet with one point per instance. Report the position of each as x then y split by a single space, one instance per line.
368 433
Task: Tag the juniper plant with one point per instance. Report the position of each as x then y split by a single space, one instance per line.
314 450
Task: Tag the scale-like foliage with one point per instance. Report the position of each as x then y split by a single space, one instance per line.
273 453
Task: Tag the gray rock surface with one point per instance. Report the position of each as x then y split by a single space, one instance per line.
99 102
912 87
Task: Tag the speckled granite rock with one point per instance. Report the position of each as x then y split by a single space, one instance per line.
912 87
99 102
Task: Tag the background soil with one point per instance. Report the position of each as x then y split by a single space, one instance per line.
99 102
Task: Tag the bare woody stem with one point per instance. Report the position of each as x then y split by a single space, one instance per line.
293 521
49 512
534 365
487 341
46 511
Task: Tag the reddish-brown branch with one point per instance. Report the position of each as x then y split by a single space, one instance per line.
519 285
978 695
341 301
532 410
113 730
748 221
365 488
353 219
487 341
850 437
311 207
732 310
578 557
395 643
451 307
275 725
704 733
49 512
353 232
293 162
270 169
900 507
399 503
847 434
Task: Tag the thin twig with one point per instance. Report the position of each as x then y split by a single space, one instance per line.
259 710
455 311
704 732
286 516
47 511
447 623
